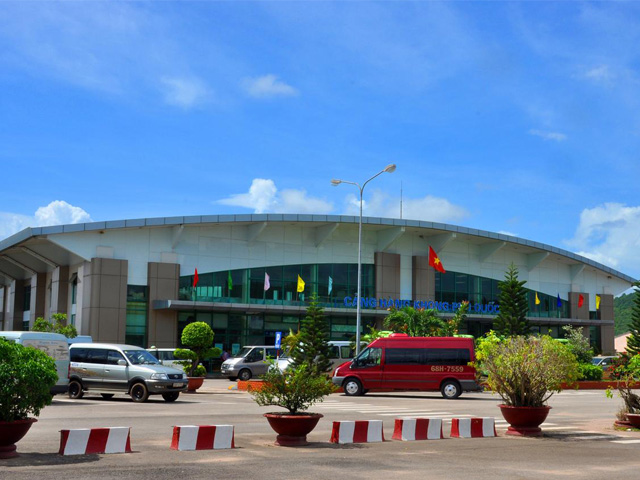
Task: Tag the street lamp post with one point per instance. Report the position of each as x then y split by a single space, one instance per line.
335 182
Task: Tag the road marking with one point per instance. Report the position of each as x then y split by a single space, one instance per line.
625 441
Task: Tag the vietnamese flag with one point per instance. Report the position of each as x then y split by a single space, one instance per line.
580 300
195 279
434 261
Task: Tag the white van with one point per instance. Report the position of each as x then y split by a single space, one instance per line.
340 351
165 356
53 344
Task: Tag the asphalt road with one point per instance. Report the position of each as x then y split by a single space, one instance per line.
579 440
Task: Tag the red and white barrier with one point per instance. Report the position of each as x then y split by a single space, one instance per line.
87 441
202 437
407 429
473 427
361 431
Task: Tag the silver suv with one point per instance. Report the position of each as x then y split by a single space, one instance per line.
108 369
250 361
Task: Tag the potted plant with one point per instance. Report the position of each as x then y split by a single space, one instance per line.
626 372
26 377
525 372
294 389
198 338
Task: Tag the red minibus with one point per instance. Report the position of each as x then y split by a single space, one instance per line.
402 363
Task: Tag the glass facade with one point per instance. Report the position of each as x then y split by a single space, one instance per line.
456 287
137 306
247 285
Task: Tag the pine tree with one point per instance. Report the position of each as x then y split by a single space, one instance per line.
514 305
313 349
633 341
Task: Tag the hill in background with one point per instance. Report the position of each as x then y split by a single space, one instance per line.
622 307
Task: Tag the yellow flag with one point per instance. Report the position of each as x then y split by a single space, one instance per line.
537 299
300 285
597 302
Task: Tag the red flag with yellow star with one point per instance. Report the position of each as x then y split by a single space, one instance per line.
434 261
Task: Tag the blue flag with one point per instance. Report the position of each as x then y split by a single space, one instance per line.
330 285
559 301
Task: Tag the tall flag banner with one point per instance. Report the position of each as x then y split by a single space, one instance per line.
434 261
597 302
229 281
580 300
330 285
300 285
537 299
267 284
559 301
195 279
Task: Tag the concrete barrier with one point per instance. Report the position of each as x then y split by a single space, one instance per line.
408 429
473 427
202 437
88 441
361 431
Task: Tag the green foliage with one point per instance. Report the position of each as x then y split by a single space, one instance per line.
622 308
198 337
633 341
415 322
526 371
295 389
57 325
626 370
425 322
313 346
512 319
588 371
578 344
26 377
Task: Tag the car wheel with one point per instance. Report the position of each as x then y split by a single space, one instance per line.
107 396
139 392
244 375
75 389
171 396
450 389
352 387
233 379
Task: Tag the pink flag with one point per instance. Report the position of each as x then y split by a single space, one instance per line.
267 285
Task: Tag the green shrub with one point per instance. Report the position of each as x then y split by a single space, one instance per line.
198 338
587 371
526 371
26 378
294 389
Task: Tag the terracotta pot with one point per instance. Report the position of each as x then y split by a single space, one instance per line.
524 421
11 433
634 419
194 383
292 430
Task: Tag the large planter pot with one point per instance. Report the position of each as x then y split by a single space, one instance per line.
634 419
292 430
525 421
11 433
194 383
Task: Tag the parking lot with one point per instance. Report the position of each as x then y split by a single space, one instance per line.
579 440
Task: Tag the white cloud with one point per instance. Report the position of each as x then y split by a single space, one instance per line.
610 234
600 74
556 136
504 232
428 208
57 212
184 92
263 197
268 86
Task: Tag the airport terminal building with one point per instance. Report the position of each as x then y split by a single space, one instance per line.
132 281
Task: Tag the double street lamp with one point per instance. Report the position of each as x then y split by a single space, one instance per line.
335 182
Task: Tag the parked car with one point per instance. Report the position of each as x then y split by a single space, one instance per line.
251 361
166 356
109 369
53 344
403 363
604 362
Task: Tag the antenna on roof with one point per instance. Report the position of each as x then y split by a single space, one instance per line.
400 199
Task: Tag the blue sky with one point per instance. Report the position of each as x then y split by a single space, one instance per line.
515 117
